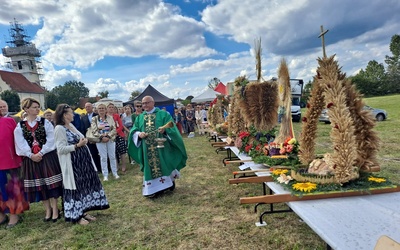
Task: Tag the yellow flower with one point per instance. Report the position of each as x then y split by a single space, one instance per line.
279 171
292 141
304 186
375 179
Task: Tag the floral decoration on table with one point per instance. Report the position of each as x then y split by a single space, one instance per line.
272 154
367 181
252 142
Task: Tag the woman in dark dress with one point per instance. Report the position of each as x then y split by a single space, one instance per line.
83 191
34 140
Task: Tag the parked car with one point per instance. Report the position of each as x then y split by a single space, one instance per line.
379 114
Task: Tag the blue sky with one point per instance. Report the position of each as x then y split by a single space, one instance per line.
178 46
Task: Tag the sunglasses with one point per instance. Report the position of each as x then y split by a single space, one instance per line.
66 106
138 106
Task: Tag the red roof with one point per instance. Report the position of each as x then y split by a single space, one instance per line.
19 83
221 88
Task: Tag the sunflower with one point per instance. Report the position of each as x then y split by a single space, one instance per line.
304 186
279 171
375 179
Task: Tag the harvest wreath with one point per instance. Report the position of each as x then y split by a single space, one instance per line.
365 182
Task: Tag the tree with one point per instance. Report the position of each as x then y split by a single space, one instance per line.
185 102
103 94
134 94
373 80
393 67
213 83
12 99
70 92
393 62
306 92
51 100
92 100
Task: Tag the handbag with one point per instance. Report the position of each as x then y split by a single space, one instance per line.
89 134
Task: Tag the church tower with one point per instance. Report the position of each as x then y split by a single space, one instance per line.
24 56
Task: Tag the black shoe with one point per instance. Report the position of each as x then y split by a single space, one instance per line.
172 188
58 217
46 219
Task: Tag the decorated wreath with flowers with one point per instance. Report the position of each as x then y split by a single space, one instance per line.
365 182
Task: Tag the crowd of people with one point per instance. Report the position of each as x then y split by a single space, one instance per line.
188 119
59 156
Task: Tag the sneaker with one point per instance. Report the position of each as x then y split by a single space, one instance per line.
116 176
105 178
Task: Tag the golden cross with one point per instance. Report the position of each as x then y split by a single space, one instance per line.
323 39
152 148
149 122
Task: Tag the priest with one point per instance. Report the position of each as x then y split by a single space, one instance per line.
160 163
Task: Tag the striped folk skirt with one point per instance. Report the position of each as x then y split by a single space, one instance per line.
42 180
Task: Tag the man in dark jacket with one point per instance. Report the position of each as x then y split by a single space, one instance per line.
85 122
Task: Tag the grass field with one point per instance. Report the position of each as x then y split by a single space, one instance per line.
202 213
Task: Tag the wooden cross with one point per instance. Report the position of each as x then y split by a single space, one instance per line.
323 39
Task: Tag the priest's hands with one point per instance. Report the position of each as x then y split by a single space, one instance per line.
142 135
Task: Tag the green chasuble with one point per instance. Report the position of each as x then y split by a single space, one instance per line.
157 162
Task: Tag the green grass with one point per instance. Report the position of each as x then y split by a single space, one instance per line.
202 213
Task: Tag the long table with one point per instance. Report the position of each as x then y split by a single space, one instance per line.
350 222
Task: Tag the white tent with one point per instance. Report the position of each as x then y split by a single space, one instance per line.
106 101
207 96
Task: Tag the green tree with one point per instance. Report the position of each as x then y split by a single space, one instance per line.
92 100
393 61
213 83
185 102
134 94
393 65
70 92
51 100
373 80
12 99
307 92
103 94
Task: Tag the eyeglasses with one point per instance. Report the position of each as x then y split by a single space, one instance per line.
138 106
67 106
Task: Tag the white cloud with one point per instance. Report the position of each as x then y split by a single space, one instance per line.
77 37
59 77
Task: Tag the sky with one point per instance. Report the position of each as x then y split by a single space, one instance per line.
178 46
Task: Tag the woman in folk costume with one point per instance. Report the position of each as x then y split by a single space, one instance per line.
34 140
12 199
82 190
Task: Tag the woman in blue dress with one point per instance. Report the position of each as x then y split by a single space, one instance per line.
82 189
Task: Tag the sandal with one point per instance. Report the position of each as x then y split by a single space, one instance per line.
83 222
89 217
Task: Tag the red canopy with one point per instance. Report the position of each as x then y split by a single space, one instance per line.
221 88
